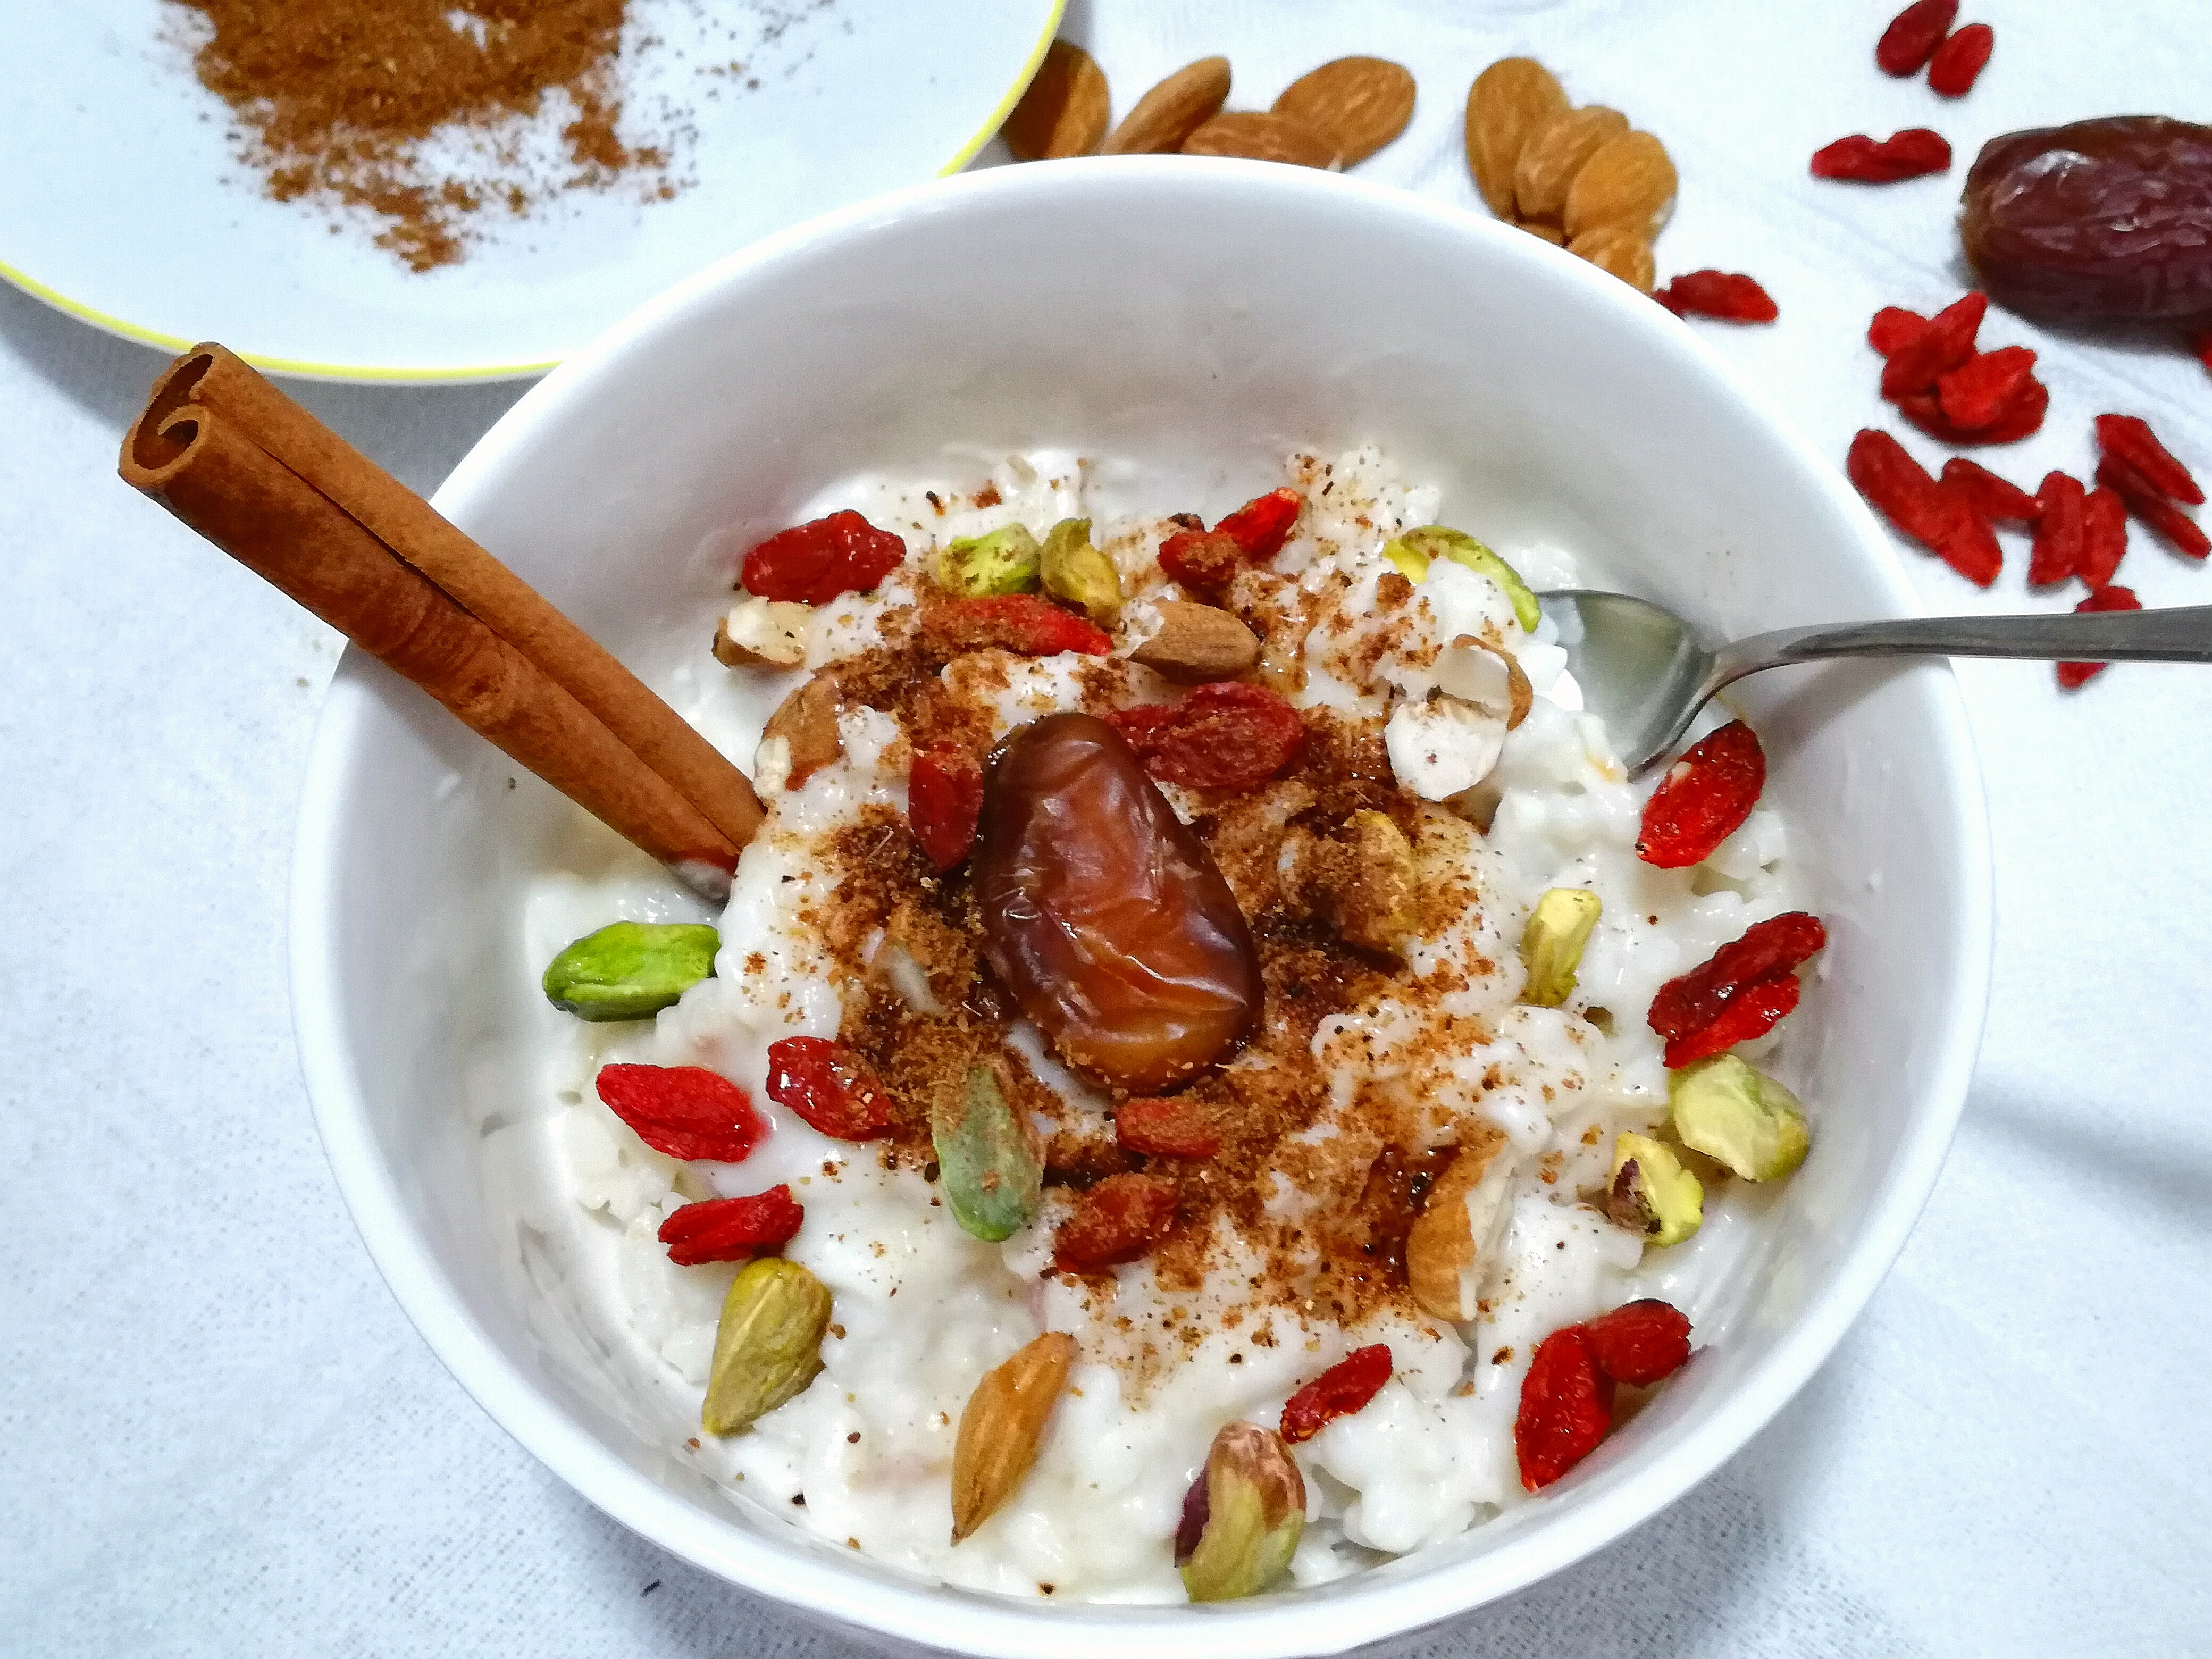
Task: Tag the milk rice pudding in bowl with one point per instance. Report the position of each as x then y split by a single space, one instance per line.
1211 1102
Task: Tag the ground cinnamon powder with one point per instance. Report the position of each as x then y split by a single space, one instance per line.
423 112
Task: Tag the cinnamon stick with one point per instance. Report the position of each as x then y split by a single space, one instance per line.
264 480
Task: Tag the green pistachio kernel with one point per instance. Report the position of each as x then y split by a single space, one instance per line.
986 1157
1552 944
630 969
1004 561
1728 1111
769 1345
1413 551
1078 574
1651 1193
1256 1510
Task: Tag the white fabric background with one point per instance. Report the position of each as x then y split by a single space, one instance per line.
218 1436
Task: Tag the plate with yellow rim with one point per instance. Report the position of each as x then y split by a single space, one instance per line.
126 202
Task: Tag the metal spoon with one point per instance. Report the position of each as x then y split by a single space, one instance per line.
1646 673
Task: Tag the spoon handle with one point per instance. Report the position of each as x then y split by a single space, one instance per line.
2173 635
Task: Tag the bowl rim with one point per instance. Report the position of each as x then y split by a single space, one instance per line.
1003 1628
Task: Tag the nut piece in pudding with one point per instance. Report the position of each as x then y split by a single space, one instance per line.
977 567
1413 551
630 969
1455 1239
1650 1193
1552 944
1198 642
805 722
1727 1111
1002 1427
1243 1517
769 1345
1368 884
987 1156
1104 915
759 633
1078 573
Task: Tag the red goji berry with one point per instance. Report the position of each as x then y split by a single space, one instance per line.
1897 486
1566 1408
944 800
2129 439
1175 1127
1984 388
685 1111
1704 798
829 1088
814 562
2057 553
2104 538
1767 951
2022 420
1729 295
1894 328
1913 34
1020 623
1640 1342
1865 160
1968 544
2074 675
1263 524
1202 561
2160 516
1118 1220
1342 1389
1958 62
1943 346
1999 500
1752 1012
731 1228
1227 735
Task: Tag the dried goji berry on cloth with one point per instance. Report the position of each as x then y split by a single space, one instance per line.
2179 531
1340 1390
829 1086
2104 538
1020 623
1913 34
1263 524
1968 545
1116 1221
2057 553
1228 735
2074 675
1704 798
1998 500
1941 519
1175 1127
1943 346
944 800
1566 1408
1958 62
814 562
1983 389
731 1228
1729 295
1894 328
1640 1342
1202 561
1767 951
1752 1012
1861 160
685 1111
2129 439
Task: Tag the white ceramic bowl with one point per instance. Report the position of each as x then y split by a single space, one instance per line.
1200 318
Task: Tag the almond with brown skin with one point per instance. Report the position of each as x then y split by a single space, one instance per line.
1552 158
1261 137
1629 181
807 721
1357 104
1617 249
1508 104
1064 111
1002 1427
1198 642
1172 111
1459 1224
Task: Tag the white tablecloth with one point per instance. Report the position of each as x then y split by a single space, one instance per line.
218 1435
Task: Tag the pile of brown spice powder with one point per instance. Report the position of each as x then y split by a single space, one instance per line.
366 103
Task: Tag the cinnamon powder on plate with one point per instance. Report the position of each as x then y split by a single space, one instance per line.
425 112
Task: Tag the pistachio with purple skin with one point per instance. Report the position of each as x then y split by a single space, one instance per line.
1243 1517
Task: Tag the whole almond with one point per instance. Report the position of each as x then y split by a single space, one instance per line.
1629 182
807 720
1198 642
1508 103
1172 111
1259 136
1002 1427
1626 253
1553 155
1064 111
1442 1268
1358 103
